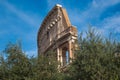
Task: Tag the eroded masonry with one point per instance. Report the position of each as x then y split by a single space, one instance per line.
56 33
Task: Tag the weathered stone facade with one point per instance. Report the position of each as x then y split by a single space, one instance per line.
56 33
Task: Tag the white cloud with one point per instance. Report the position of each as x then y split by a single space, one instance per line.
96 8
112 24
31 53
93 12
32 20
21 14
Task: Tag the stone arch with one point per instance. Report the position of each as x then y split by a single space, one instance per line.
65 56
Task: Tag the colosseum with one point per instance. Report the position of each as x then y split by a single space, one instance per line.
56 33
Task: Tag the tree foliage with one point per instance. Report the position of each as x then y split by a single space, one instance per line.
15 65
95 59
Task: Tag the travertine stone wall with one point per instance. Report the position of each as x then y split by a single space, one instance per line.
56 33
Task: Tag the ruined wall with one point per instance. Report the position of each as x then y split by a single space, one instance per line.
57 33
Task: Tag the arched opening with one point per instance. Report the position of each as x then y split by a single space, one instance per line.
47 35
65 56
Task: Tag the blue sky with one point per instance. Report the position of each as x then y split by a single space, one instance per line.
21 19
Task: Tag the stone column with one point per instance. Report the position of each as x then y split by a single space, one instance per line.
59 56
70 50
